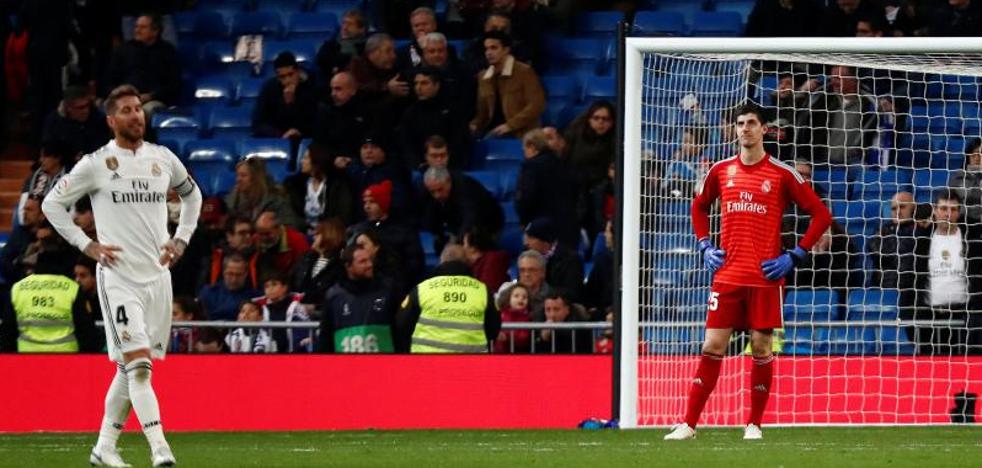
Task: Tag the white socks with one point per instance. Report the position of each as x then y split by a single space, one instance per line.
144 401
117 409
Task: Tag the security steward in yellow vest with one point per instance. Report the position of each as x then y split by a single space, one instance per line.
452 312
46 314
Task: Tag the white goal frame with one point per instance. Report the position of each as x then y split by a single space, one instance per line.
626 362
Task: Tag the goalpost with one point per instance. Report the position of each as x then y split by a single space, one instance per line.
869 118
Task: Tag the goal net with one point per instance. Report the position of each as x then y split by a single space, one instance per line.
879 321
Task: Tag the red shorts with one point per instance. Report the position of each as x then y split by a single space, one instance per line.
745 307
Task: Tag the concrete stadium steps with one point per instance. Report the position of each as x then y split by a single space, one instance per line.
12 175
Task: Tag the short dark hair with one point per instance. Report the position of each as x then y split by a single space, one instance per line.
358 16
231 221
285 59
479 238
83 205
876 23
972 146
75 92
558 293
277 276
922 212
435 141
348 253
947 193
86 261
156 21
499 36
60 149
748 108
429 72
119 92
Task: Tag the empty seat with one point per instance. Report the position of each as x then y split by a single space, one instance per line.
853 341
205 24
511 214
873 304
687 8
597 88
509 182
743 7
659 23
231 122
265 23
275 152
602 24
212 164
502 148
430 255
716 24
489 179
175 127
811 305
931 178
512 239
217 89
338 7
579 55
316 26
560 88
247 89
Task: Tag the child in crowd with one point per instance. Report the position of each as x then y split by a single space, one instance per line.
184 309
250 340
280 305
513 304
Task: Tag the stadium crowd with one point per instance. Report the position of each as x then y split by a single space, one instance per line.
387 121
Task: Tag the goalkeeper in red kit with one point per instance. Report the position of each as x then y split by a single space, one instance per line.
749 266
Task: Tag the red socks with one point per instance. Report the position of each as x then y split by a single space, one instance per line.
760 387
702 386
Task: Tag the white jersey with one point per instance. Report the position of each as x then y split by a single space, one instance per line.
129 201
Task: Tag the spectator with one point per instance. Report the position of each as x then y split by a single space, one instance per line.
527 25
149 63
22 236
532 275
287 104
437 155
894 240
221 299
688 166
78 122
376 74
184 309
344 121
399 239
54 158
870 27
319 190
605 345
239 239
843 120
384 263
335 54
598 291
255 192
374 166
600 205
280 246
556 141
559 309
841 16
85 277
967 182
943 281
458 84
250 340
210 341
452 312
564 270
432 114
320 268
783 18
47 313
422 21
279 305
547 188
474 59
454 202
590 145
957 19
47 26
359 310
924 215
84 218
510 98
513 304
779 140
488 263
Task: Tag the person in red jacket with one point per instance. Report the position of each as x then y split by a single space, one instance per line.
489 264
280 246
513 304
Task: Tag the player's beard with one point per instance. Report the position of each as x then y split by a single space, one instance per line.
132 133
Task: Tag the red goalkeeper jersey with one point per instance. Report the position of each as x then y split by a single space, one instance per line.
752 202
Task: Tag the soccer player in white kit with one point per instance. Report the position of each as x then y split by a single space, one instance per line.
127 180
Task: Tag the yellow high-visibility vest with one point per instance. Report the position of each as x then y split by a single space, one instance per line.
43 307
451 316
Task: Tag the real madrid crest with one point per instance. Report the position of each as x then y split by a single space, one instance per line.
155 170
112 163
731 171
766 186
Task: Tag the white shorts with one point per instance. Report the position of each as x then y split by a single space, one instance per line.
137 316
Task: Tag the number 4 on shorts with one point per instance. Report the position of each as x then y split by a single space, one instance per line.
121 316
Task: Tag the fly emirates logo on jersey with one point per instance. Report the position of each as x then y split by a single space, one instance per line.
746 205
141 194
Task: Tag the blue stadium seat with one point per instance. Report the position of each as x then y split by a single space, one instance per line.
560 88
301 149
184 23
489 179
931 179
509 182
500 148
512 240
265 23
834 181
687 8
669 242
175 145
948 153
430 256
205 24
961 109
176 128
215 89
743 7
852 341
230 122
892 340
275 152
659 23
502 165
675 341
212 164
338 7
555 113
511 214
960 87
582 56
597 88
215 55
805 340
716 24
873 304
227 8
316 26
247 89
601 24
811 305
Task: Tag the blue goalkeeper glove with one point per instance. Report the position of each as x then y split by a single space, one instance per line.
779 267
711 256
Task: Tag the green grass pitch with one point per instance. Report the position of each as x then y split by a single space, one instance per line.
919 447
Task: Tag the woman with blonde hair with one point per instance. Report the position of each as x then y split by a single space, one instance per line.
255 192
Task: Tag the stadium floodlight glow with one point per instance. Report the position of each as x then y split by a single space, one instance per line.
847 357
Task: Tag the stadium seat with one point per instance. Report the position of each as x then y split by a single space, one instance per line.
499 148
659 23
263 23
597 88
184 24
509 182
206 24
743 7
852 341
834 181
581 56
430 256
675 341
673 216
600 24
247 90
931 179
490 180
338 7
226 8
511 214
716 24
687 8
275 152
948 153
312 26
873 304
212 164
682 243
892 340
301 149
175 127
215 89
560 88
502 165
512 240
811 305
230 122
215 55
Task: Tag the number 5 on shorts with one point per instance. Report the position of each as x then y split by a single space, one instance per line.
713 300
